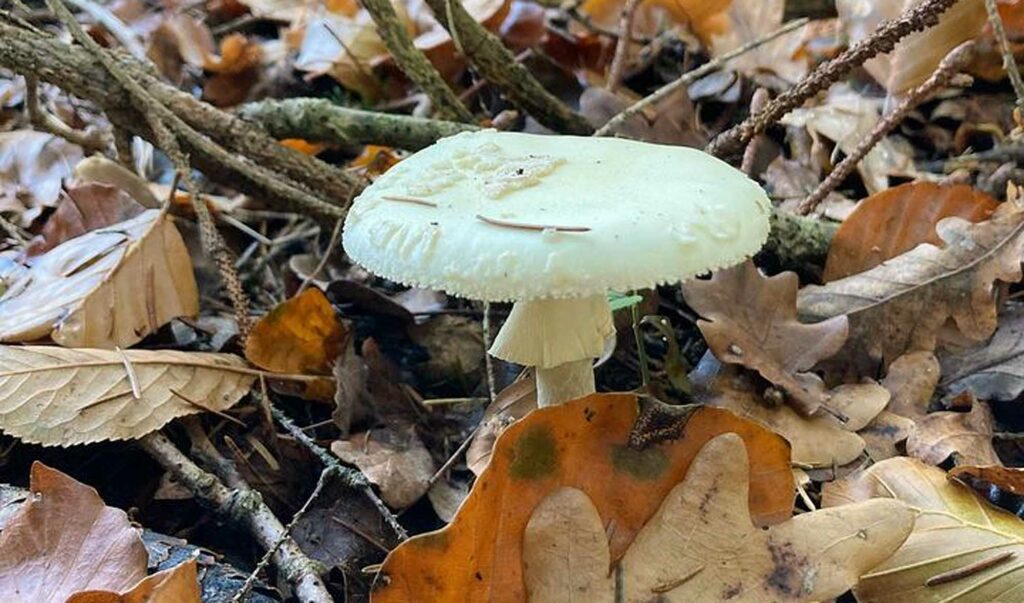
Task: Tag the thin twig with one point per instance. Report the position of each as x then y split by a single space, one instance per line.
757 103
250 580
622 46
352 477
91 139
918 17
488 361
454 457
408 199
1009 62
969 570
949 67
691 76
332 244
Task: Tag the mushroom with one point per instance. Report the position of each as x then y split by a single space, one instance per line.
552 223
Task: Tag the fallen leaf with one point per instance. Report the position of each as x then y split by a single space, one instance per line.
374 160
884 434
584 445
983 478
701 545
917 55
85 208
347 49
749 20
64 540
234 72
911 379
59 397
704 17
304 146
446 497
968 435
954 530
511 404
898 219
899 306
819 441
32 167
180 41
300 335
99 169
750 320
103 289
847 118
454 345
179 584
392 458
994 371
672 120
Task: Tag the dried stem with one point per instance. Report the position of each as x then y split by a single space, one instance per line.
757 103
623 44
413 62
91 140
497 65
950 66
1009 62
245 507
691 76
535 227
917 18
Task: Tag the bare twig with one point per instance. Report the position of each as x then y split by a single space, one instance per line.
757 103
1009 62
969 569
623 44
918 17
496 64
950 66
691 76
413 62
244 507
351 477
91 139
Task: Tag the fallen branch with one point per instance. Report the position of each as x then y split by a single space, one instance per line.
245 507
413 62
498 65
692 76
951 65
322 121
77 72
917 18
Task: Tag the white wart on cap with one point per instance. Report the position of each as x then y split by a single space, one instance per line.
502 216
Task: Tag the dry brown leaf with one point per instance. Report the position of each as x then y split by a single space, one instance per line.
916 56
704 17
994 371
300 335
104 289
179 584
911 380
819 441
898 219
32 167
954 530
64 540
884 434
60 397
235 71
899 306
394 459
672 120
847 118
701 545
347 49
454 345
968 435
582 444
749 20
85 208
510 405
750 320
99 169
180 40
983 478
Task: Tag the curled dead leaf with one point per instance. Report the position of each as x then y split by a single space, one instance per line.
394 459
300 335
103 289
968 435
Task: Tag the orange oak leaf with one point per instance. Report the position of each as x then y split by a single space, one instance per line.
300 335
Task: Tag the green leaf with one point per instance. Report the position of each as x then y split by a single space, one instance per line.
621 301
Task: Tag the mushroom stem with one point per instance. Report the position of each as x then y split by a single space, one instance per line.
564 382
561 338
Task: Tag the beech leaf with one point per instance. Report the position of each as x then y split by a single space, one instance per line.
104 289
64 540
59 397
900 305
300 335
954 530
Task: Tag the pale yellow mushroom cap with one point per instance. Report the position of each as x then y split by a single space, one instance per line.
620 214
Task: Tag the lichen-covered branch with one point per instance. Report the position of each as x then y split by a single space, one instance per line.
498 66
413 62
919 17
246 508
322 121
798 240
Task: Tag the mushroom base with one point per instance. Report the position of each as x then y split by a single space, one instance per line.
564 382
